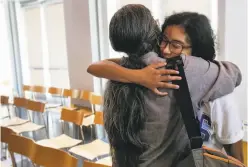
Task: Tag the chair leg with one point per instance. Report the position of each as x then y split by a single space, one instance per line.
15 108
3 157
91 136
47 124
13 159
7 152
9 115
47 133
22 160
46 127
82 133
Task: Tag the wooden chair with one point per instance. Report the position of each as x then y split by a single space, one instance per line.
50 157
32 106
95 100
5 135
39 155
99 118
94 164
4 101
14 120
26 90
94 149
20 102
85 96
70 94
64 141
53 91
76 94
37 90
21 145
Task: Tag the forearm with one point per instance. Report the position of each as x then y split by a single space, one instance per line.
112 71
235 150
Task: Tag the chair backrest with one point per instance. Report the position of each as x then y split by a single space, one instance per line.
93 164
35 106
50 157
85 95
55 91
23 146
98 118
4 100
26 88
40 155
6 134
73 116
27 92
73 93
20 102
96 99
66 93
38 89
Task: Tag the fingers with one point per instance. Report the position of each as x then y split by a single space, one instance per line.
158 65
156 91
169 78
167 72
167 85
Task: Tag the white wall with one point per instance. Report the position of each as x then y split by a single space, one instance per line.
162 8
235 45
206 7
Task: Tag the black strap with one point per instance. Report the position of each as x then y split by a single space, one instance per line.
183 99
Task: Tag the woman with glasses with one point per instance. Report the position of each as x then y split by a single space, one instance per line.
145 129
191 34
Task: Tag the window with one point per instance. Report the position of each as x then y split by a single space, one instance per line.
43 43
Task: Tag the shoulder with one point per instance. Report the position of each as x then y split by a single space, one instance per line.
226 122
224 104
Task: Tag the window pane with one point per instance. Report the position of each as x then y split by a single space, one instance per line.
55 28
32 32
43 45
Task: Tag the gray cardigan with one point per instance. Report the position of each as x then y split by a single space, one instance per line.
164 129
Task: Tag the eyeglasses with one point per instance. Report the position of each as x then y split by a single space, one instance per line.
174 46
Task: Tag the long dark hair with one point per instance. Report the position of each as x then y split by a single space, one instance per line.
199 32
134 31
